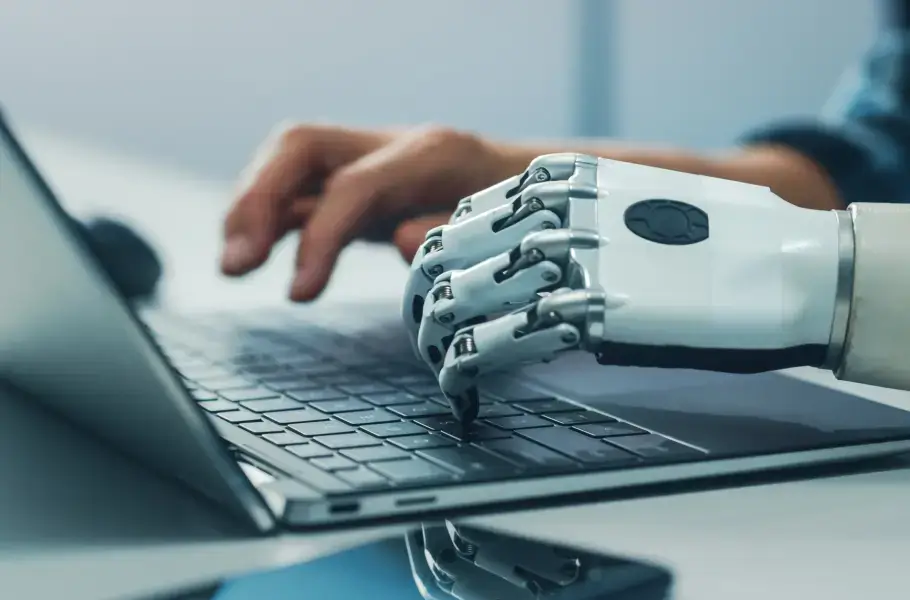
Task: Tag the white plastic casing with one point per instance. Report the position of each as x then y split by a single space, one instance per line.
765 278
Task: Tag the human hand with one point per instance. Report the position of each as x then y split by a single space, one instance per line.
336 184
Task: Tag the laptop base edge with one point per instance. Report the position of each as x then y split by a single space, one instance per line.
306 513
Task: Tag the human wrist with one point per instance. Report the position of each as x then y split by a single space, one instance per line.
791 175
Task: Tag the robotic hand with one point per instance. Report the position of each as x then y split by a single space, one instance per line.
634 264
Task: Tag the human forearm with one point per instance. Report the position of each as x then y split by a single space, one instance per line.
790 175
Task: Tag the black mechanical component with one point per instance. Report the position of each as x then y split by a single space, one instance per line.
667 222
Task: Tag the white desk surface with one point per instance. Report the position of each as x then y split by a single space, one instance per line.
836 538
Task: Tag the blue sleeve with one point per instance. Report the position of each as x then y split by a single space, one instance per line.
863 140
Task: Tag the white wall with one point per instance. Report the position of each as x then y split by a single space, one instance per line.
698 72
199 82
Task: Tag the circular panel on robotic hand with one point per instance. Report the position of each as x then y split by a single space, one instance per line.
668 222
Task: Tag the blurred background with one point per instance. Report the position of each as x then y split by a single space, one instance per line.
196 84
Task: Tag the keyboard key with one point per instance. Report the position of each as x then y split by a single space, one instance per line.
601 430
539 406
334 463
273 405
318 368
411 379
309 450
527 454
519 422
295 357
238 416
226 383
260 427
204 371
375 453
391 399
200 395
322 428
264 369
453 428
411 471
383 371
653 446
470 461
288 382
360 361
423 389
340 406
362 478
315 395
257 393
285 438
305 415
579 418
215 406
578 446
418 442
347 440
489 411
366 388
441 399
424 409
368 417
252 358
340 379
384 430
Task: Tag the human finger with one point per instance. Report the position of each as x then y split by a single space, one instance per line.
412 233
292 163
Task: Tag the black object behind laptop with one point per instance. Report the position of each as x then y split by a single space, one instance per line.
320 417
131 263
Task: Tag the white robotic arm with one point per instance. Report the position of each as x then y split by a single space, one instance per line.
638 266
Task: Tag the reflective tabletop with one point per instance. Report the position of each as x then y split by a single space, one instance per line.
447 561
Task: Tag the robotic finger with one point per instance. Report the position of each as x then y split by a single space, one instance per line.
496 286
564 320
548 167
476 237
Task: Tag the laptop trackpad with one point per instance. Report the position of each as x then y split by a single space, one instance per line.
579 377
725 413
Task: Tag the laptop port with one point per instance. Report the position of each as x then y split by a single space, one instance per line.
344 508
415 501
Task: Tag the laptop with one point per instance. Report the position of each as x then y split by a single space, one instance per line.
321 418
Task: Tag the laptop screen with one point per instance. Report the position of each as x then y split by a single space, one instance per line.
69 340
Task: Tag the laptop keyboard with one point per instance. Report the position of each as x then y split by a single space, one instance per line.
374 423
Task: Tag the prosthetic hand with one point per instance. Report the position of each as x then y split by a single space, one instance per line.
633 264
